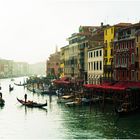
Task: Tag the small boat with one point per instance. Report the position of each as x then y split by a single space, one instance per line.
65 99
31 103
126 109
2 102
76 102
20 84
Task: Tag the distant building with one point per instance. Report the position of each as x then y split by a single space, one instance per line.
6 68
37 68
53 65
9 68
20 69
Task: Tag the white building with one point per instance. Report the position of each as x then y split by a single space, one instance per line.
95 64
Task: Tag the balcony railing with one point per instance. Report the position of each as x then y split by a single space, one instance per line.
121 66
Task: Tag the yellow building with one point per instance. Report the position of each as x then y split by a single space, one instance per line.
109 35
108 51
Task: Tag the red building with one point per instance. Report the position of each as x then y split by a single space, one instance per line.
126 54
53 65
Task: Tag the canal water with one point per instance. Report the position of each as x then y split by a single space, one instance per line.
56 121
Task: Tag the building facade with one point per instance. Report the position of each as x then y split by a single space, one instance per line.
72 56
53 65
109 35
126 54
96 56
95 64
75 54
85 34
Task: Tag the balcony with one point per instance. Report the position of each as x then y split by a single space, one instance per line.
107 68
127 36
121 66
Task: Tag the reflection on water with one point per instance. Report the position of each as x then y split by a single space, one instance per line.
57 121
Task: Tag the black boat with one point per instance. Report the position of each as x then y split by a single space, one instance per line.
24 84
31 103
126 109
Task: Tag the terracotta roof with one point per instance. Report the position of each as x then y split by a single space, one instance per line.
132 26
122 24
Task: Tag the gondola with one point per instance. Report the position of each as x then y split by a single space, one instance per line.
126 109
31 103
20 84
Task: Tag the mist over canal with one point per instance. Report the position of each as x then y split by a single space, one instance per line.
56 121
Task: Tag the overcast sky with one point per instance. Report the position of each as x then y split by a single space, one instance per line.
31 29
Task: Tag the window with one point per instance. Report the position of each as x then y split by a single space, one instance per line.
91 55
118 59
114 59
97 53
105 32
130 44
86 44
100 65
137 51
137 76
94 66
94 53
111 53
132 58
97 65
111 30
89 65
105 52
133 75
100 52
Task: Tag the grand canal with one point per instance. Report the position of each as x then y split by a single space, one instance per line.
57 121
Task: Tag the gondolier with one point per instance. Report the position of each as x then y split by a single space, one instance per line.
25 97
32 104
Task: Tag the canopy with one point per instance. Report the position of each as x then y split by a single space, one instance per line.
92 86
63 80
119 86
